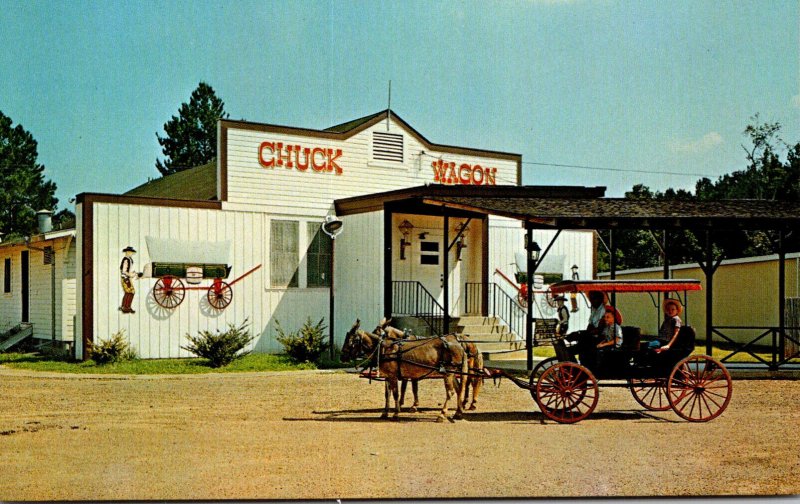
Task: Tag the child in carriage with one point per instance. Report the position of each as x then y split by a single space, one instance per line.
670 327
611 336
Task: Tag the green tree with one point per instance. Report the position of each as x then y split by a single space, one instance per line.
766 177
24 189
191 137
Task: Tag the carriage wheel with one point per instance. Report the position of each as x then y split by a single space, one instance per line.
169 292
538 371
650 393
220 295
699 388
522 296
567 392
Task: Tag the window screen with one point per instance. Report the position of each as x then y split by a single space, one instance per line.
284 250
318 258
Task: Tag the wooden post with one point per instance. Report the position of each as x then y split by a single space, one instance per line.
387 262
709 270
446 275
781 296
531 270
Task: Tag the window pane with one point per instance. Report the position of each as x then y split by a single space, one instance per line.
429 246
318 258
284 250
429 259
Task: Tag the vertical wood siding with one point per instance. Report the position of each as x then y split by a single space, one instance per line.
159 333
358 273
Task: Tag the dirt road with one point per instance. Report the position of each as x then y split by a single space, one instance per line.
303 435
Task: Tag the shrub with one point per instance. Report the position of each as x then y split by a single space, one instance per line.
220 348
305 345
114 349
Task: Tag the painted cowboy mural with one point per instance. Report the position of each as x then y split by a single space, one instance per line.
127 275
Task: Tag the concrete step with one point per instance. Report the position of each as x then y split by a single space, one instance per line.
476 320
499 345
480 329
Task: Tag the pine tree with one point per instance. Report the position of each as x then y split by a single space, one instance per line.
191 138
24 189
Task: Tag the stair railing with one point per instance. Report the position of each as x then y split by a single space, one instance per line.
413 299
502 305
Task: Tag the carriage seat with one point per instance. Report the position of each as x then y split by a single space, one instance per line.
684 345
631 338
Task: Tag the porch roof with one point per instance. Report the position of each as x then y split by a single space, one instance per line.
570 207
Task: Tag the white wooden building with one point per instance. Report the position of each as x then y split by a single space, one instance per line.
263 204
38 287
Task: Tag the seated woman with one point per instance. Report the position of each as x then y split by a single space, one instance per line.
611 337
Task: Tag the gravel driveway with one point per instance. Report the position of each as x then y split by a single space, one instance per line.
304 435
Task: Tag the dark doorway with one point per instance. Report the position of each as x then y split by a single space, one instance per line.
24 278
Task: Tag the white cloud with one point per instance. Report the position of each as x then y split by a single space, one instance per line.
703 144
796 101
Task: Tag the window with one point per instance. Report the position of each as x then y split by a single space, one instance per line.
284 252
387 146
429 252
318 258
7 276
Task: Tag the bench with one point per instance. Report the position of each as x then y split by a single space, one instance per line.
544 329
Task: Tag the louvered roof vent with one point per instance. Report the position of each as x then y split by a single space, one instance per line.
387 146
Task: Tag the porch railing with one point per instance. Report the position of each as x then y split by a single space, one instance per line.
502 305
413 299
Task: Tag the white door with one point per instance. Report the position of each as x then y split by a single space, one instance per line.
426 261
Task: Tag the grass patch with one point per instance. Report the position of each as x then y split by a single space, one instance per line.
249 363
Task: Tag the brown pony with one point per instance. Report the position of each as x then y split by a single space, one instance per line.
410 359
474 358
390 333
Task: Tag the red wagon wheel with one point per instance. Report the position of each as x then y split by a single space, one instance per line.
522 295
567 392
169 292
699 388
220 294
650 393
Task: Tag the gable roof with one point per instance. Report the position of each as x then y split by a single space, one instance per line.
198 183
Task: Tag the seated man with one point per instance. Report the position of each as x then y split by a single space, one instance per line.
584 343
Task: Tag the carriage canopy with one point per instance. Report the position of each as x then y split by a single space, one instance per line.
568 286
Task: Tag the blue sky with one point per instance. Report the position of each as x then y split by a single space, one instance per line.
652 92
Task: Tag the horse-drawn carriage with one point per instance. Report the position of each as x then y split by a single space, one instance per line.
566 388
